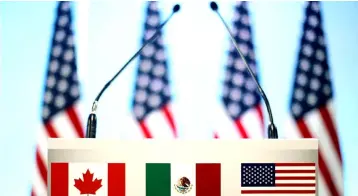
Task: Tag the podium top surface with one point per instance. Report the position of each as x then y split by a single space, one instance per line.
267 144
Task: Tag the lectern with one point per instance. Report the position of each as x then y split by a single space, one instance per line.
176 167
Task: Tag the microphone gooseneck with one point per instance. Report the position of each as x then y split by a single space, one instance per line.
92 119
272 130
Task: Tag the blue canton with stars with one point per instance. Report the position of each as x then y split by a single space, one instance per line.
239 91
257 174
152 86
312 87
62 87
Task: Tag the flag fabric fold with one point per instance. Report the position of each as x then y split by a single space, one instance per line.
311 105
151 103
60 117
242 102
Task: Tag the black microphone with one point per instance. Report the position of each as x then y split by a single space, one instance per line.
272 130
92 119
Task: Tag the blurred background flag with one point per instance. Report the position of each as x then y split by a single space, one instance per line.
311 102
152 96
60 116
240 97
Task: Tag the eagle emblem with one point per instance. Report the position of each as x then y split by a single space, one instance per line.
183 185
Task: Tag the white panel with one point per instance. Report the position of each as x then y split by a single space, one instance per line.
255 145
135 178
178 171
230 178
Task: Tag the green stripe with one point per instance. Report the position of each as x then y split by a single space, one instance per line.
157 179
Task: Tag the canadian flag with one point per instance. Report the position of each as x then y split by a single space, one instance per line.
76 179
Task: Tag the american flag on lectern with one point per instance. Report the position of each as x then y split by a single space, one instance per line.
311 102
61 96
240 97
278 179
152 96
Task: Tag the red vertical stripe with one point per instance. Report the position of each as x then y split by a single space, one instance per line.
145 129
241 129
50 130
208 179
41 166
328 121
71 112
59 179
216 135
169 117
303 129
261 115
116 179
327 175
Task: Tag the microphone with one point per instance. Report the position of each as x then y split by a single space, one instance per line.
272 130
92 119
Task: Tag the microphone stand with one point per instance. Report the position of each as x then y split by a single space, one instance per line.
92 118
272 130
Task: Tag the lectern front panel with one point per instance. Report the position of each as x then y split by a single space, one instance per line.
155 167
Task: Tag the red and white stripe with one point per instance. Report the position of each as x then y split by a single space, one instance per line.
65 124
159 124
290 179
320 124
249 125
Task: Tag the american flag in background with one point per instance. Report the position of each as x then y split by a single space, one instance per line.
278 179
152 96
241 100
61 97
311 103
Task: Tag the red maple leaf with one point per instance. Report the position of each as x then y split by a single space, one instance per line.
88 185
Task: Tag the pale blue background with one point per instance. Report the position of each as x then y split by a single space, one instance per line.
196 54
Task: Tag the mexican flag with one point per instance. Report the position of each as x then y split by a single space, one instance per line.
76 179
168 179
